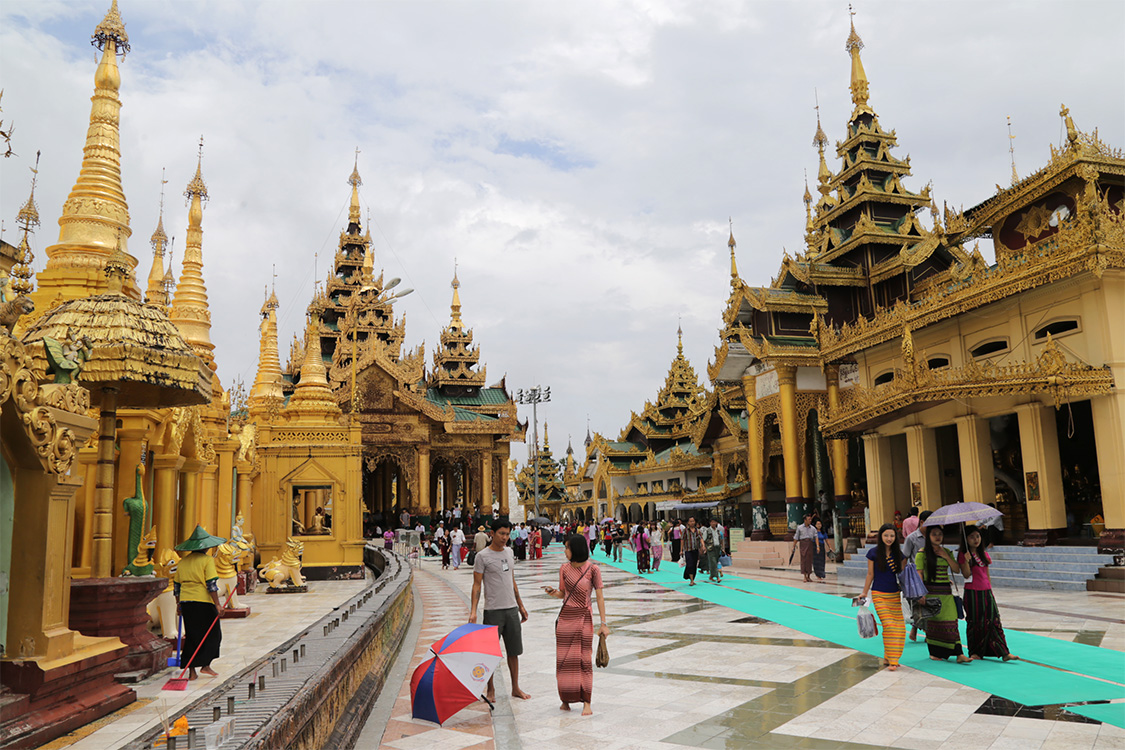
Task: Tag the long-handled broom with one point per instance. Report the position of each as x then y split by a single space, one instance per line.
180 683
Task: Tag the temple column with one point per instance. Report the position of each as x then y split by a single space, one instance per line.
486 483
449 489
794 500
922 457
423 500
504 499
880 481
165 486
84 513
245 486
208 500
975 445
1039 448
838 448
130 443
189 497
1109 438
754 461
225 487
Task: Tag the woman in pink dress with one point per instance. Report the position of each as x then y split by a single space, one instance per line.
580 580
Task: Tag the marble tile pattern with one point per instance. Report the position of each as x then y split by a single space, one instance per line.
692 674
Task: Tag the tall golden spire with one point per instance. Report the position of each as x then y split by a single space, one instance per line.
190 312
680 340
1012 151
455 305
820 142
155 293
312 399
807 200
733 265
95 215
28 220
266 390
859 76
355 181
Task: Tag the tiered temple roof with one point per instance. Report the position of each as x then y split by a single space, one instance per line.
670 418
551 488
456 360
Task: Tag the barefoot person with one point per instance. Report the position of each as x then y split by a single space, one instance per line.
935 563
196 587
493 570
984 632
574 629
884 563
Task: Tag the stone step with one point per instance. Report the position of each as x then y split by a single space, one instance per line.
1086 570
1107 585
1049 549
1026 582
1028 555
1112 573
11 705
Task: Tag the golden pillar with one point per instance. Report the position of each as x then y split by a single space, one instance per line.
225 487
208 499
103 492
790 430
245 487
165 486
1039 446
486 483
189 498
755 465
84 514
880 482
448 489
975 447
504 500
423 499
1109 436
838 448
925 475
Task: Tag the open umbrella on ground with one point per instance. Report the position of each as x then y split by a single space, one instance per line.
542 521
961 513
457 673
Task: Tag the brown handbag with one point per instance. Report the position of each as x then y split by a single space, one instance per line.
602 659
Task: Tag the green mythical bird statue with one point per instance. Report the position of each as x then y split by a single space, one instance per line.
144 542
65 359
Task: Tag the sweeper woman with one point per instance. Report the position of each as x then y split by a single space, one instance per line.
197 600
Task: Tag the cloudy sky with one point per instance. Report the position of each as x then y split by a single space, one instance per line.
580 160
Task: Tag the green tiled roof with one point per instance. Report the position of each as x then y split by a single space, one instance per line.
686 447
486 397
464 415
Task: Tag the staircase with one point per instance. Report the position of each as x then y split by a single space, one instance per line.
1052 568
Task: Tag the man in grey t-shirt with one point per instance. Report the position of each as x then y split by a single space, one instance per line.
493 570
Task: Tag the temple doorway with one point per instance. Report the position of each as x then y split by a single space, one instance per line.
1078 455
384 494
1007 465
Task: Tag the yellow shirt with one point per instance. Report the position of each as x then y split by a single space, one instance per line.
193 574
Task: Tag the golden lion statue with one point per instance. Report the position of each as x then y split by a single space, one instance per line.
289 566
226 565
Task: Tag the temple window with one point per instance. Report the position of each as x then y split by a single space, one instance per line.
936 363
1057 327
988 348
884 377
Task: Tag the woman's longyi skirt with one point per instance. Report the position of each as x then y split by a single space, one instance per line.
982 624
574 654
942 633
808 546
889 609
198 616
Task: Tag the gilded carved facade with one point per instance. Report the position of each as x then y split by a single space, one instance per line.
897 330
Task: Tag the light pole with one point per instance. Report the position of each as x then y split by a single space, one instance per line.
535 396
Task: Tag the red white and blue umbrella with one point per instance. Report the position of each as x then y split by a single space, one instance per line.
457 673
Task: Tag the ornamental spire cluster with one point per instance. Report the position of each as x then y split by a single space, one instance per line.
267 389
28 221
155 293
456 360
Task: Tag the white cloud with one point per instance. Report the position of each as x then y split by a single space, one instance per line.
580 160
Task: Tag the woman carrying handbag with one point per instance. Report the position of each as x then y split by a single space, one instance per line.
580 580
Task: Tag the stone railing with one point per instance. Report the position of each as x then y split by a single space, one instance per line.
315 690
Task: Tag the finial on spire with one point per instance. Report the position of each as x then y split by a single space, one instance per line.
112 28
732 244
1012 151
1071 130
807 197
820 140
680 335
197 187
160 238
28 219
355 181
859 86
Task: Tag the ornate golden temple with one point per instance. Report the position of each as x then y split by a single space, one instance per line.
890 365
355 431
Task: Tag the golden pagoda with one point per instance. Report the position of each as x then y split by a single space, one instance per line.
551 491
654 463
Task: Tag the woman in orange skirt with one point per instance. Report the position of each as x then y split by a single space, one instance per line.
884 563
580 580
